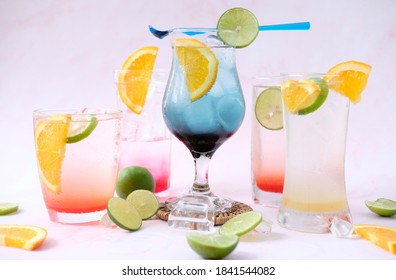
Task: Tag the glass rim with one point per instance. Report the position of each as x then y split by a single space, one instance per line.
308 74
78 111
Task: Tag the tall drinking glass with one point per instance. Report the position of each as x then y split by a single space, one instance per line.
146 140
267 141
314 191
203 106
77 158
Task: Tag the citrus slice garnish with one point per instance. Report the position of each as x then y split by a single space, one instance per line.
212 246
22 236
244 24
8 208
81 127
241 223
123 214
199 65
304 96
349 78
268 108
145 202
50 137
134 78
382 236
382 206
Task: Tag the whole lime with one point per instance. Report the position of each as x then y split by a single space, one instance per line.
133 178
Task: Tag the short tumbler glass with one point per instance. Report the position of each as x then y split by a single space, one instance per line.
77 153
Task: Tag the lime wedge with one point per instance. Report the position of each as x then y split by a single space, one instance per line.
268 108
145 202
243 22
241 224
8 208
123 214
80 128
212 246
324 92
382 206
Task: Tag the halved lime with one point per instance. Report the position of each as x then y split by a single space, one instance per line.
244 24
268 108
123 214
382 206
80 128
8 208
132 178
145 202
304 96
212 246
241 224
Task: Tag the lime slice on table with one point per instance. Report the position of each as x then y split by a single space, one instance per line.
145 202
241 224
80 128
243 22
212 246
268 108
304 96
123 214
8 208
382 206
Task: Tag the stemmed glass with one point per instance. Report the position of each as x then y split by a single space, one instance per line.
203 106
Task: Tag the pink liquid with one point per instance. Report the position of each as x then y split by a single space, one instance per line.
153 155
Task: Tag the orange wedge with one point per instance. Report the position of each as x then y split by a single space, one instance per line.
22 236
134 79
50 137
199 65
384 237
351 78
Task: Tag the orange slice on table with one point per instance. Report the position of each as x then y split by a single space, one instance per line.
384 237
50 137
199 65
134 79
351 78
22 236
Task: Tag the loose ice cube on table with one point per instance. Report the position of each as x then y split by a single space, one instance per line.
340 227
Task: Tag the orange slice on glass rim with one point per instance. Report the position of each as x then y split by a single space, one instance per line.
50 138
351 78
22 236
134 79
384 237
199 65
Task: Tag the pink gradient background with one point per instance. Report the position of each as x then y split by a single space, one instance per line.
62 54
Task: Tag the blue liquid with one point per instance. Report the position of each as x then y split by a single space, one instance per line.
203 125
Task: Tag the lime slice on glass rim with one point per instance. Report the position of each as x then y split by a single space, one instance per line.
145 202
268 108
8 208
123 214
382 206
81 127
304 96
243 22
212 246
241 223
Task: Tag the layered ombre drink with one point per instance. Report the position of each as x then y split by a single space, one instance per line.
77 155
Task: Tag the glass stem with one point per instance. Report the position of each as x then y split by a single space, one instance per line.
201 184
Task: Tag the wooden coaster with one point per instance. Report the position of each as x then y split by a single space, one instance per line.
220 218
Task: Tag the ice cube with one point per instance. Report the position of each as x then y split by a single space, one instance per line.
230 111
340 227
106 221
199 116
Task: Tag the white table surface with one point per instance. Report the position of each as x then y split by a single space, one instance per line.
155 240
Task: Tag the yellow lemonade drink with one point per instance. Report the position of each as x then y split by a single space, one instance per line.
314 188
316 108
78 156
